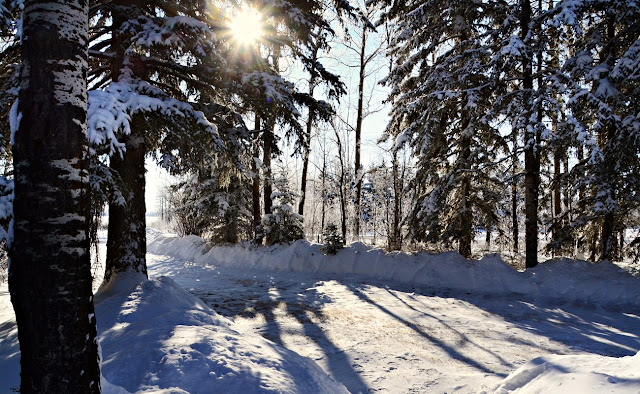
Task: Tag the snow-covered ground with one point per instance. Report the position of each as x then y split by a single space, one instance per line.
373 322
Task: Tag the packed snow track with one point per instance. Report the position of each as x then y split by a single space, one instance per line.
375 336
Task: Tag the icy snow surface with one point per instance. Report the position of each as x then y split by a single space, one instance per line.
374 322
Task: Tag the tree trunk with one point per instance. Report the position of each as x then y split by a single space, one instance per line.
343 199
50 270
359 118
515 230
324 191
126 234
557 192
607 238
307 142
531 151
487 239
305 170
127 239
466 220
255 191
395 238
268 145
266 162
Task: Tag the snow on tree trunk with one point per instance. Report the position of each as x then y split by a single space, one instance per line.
50 277
531 151
127 241
255 189
466 216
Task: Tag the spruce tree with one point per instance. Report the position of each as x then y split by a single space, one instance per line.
442 91
283 224
602 71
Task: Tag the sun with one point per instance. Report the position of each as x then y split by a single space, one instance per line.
246 26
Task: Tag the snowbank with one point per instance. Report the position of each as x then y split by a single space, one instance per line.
156 337
575 374
560 278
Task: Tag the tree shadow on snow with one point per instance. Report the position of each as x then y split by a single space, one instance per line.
608 330
452 351
253 299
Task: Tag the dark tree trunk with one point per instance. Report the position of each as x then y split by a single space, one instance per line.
324 191
559 152
466 219
343 198
531 151
307 141
515 230
305 170
269 143
266 162
395 238
359 118
607 237
50 270
127 240
557 192
487 239
255 191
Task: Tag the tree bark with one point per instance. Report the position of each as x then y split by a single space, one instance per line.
307 142
126 234
324 190
515 230
50 271
557 191
359 118
255 191
268 145
343 199
531 151
266 162
127 238
608 222
395 238
466 220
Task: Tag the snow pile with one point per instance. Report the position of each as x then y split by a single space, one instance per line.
156 337
9 345
559 278
575 374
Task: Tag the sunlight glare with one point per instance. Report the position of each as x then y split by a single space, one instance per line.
246 26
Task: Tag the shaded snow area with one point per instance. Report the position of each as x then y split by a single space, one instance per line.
156 337
221 320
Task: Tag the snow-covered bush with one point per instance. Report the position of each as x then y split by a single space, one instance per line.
282 225
333 240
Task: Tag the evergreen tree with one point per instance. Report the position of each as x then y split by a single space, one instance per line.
283 224
603 81
333 241
215 202
442 92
